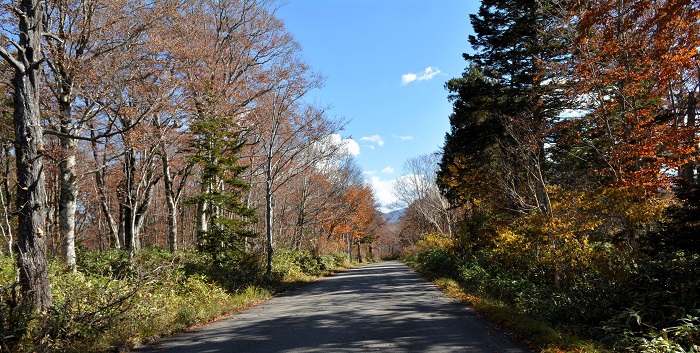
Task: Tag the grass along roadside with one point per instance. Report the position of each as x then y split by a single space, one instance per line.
113 305
536 334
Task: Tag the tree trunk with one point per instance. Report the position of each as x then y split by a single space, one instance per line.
104 205
170 200
142 205
268 218
6 202
31 260
136 203
203 210
301 216
687 172
128 204
69 185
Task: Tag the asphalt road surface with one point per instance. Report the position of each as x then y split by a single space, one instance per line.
384 307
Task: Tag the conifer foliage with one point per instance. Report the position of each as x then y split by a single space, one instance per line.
225 219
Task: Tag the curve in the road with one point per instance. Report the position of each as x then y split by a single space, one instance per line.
383 307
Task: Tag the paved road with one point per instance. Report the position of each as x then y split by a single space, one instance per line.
383 307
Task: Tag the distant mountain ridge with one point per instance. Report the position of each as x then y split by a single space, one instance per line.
394 216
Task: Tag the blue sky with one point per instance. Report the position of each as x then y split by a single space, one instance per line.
385 64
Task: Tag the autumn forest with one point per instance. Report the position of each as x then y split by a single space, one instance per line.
161 166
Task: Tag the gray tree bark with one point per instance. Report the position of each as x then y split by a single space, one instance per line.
69 183
172 195
268 215
170 201
29 148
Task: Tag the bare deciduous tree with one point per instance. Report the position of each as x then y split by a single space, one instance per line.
418 189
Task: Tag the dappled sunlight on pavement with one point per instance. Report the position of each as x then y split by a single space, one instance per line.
382 307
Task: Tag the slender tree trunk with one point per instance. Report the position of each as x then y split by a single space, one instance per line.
6 202
112 225
301 216
53 240
128 204
268 217
31 207
170 200
688 169
69 184
142 206
203 210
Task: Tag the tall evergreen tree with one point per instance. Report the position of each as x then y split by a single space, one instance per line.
515 43
471 153
224 217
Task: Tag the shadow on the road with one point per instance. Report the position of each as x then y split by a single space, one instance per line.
381 307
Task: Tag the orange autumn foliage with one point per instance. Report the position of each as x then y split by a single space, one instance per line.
357 214
633 60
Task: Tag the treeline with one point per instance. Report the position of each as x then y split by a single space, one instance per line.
130 124
572 167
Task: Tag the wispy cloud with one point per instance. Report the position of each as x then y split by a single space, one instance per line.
388 170
374 138
427 74
405 138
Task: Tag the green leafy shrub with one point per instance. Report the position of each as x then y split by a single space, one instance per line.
112 263
438 260
236 273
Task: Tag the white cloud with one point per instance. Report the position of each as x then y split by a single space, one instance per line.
408 78
388 170
352 147
427 74
383 191
374 138
406 138
349 145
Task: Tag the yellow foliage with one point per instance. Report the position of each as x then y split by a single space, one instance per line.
632 204
435 241
559 242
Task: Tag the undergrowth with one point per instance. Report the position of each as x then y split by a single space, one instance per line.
647 306
113 304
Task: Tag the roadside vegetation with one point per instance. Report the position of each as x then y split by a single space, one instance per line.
114 304
648 307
